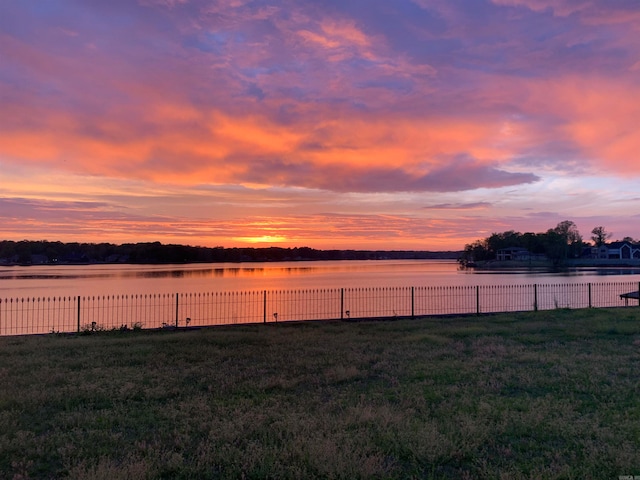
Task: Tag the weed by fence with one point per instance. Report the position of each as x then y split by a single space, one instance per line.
31 315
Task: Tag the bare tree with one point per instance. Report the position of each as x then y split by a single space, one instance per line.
599 236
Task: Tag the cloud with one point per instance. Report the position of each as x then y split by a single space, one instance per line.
459 206
398 100
68 221
561 8
592 12
595 115
458 174
23 208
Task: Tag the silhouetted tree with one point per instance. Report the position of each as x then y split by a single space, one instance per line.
569 233
568 230
499 241
555 247
559 243
477 251
599 236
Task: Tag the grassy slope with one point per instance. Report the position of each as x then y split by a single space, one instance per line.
538 395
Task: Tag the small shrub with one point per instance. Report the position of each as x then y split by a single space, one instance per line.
92 327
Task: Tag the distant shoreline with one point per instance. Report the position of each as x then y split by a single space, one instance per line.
32 252
547 264
71 264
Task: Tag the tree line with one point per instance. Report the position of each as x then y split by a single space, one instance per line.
30 252
556 244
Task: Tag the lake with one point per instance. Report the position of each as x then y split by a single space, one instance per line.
68 298
93 280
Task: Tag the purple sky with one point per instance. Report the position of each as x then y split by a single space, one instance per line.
332 124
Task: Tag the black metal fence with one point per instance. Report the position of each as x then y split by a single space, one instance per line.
33 315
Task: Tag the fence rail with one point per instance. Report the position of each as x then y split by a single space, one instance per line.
34 315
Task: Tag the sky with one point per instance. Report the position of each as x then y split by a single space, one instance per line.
366 124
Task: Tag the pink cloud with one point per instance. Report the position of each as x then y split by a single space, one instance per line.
399 99
596 114
69 221
562 8
458 174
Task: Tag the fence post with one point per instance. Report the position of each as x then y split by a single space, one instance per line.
264 306
477 299
413 302
78 313
342 304
639 294
590 295
535 297
177 295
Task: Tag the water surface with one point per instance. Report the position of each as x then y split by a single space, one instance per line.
87 280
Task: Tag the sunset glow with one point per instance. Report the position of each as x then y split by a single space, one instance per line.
412 124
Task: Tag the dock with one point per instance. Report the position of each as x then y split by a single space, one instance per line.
635 295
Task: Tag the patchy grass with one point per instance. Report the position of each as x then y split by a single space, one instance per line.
550 394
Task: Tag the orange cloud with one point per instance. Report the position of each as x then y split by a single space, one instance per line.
339 38
300 122
598 115
162 143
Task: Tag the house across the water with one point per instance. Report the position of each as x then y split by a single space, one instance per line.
617 251
623 250
518 254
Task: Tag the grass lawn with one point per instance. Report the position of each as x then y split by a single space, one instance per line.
552 394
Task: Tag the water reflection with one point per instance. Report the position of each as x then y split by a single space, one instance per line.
616 271
58 272
53 272
195 278
565 272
